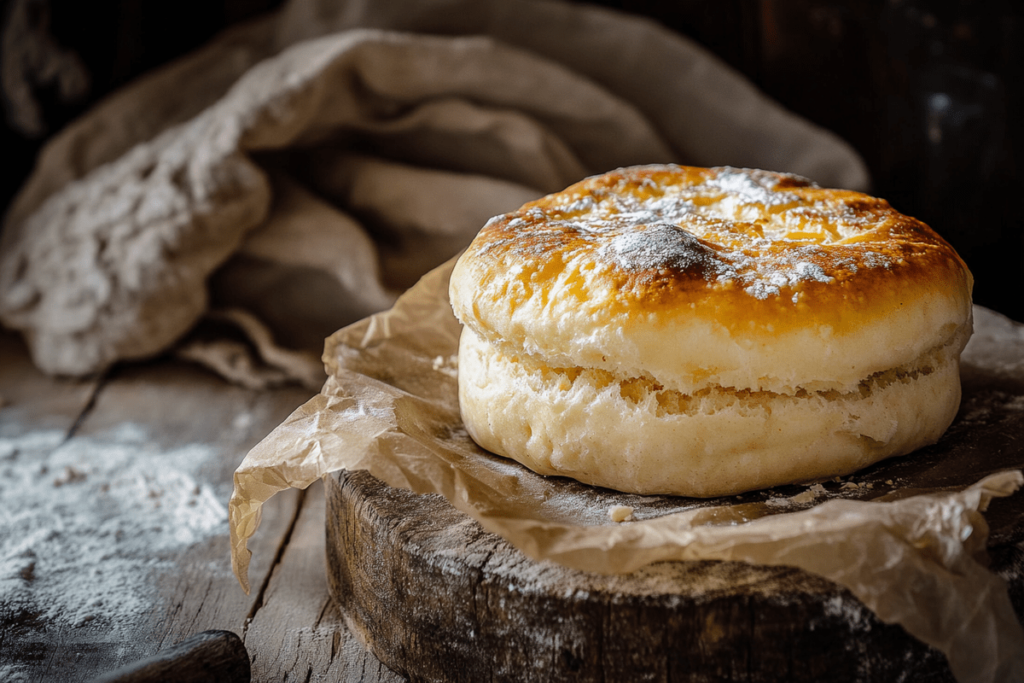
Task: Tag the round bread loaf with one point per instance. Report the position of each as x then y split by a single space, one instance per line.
708 331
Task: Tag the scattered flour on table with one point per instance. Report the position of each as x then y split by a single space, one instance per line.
851 612
86 523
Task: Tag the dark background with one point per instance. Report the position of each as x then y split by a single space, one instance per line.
930 93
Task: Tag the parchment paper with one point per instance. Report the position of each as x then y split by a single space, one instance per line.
390 406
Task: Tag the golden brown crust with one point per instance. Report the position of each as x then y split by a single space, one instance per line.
703 277
750 247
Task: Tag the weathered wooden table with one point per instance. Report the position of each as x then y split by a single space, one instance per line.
113 519
114 534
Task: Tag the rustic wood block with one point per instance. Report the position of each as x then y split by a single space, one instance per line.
437 598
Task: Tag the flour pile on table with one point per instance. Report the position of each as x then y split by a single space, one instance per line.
86 526
310 166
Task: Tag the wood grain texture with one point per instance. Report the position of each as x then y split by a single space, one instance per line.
298 634
37 415
207 657
179 413
437 598
181 405
30 401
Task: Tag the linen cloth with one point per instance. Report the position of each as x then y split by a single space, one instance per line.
302 170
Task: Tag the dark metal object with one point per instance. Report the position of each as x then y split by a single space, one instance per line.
207 657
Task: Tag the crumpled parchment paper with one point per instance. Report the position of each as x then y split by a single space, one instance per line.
390 406
309 166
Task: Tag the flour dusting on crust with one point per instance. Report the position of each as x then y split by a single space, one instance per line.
755 229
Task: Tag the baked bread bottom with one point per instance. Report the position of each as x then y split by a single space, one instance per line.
632 434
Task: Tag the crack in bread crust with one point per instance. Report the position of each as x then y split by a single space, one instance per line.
709 399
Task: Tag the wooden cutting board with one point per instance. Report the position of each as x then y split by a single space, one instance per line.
437 598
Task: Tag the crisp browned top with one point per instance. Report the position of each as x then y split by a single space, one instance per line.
746 247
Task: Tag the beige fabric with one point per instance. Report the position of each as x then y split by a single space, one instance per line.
106 252
254 360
